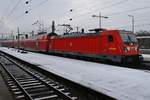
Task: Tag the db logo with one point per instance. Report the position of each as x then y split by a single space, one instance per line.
70 44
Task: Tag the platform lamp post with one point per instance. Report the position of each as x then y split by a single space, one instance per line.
100 19
132 22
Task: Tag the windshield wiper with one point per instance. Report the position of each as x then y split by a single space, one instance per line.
130 39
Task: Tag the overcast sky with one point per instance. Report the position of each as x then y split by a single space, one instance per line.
12 14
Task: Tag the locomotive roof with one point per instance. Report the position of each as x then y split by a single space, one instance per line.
143 37
78 34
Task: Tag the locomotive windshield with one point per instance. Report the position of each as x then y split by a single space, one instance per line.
128 37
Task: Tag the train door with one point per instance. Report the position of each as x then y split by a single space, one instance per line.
37 44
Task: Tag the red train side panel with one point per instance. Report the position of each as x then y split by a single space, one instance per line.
106 45
90 44
76 45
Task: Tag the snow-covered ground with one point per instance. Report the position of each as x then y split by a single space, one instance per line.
117 82
146 57
145 49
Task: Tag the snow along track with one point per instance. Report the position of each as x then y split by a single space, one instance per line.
117 82
29 85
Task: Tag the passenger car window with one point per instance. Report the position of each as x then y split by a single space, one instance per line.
110 38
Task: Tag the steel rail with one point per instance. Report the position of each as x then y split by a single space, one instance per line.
61 94
17 83
57 91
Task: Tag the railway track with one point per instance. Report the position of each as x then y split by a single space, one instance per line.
27 84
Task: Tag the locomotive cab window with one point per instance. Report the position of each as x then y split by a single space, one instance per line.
110 38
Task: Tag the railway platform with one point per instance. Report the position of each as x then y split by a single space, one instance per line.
117 82
146 57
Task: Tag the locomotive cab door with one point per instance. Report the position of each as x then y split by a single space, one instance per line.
108 45
111 44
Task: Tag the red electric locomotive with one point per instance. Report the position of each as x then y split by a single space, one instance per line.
110 45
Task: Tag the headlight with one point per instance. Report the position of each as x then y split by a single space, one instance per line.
128 48
136 49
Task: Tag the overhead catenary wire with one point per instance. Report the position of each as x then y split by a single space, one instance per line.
38 5
77 18
80 9
121 1
136 25
116 13
123 12
130 10
11 11
108 6
137 20
20 16
139 25
14 8
103 8
27 11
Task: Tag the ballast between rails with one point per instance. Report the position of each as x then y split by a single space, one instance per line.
57 92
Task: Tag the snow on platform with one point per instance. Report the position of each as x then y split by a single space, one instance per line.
117 82
146 57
